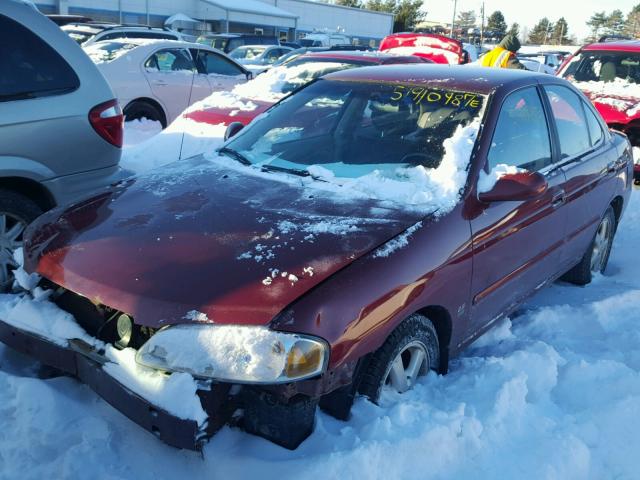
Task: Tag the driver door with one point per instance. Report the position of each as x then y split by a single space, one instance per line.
517 245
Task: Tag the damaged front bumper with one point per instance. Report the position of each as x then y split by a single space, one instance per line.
86 363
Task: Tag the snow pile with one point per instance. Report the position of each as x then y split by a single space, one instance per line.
438 188
602 92
42 318
619 87
271 85
140 130
175 393
486 182
183 135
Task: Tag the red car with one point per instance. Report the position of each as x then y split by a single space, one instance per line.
282 80
433 47
609 74
364 231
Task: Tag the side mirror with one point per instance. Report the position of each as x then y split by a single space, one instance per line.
232 129
515 187
249 75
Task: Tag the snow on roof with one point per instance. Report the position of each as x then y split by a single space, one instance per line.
251 6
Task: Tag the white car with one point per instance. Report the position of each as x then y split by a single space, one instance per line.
159 79
87 34
259 54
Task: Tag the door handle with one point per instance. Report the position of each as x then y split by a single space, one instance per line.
558 199
160 83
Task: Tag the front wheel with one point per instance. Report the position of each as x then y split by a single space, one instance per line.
410 351
16 212
596 257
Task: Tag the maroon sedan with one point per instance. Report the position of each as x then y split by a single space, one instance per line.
359 235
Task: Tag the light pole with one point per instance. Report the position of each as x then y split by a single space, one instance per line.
481 25
453 19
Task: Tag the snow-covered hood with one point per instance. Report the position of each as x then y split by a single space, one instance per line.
617 101
208 238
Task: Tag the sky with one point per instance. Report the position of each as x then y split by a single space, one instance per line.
527 13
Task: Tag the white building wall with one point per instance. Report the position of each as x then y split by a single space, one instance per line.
354 21
312 15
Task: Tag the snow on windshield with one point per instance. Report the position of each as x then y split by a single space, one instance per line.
104 52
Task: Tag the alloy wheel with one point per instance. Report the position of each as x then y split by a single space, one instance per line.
601 245
11 229
405 368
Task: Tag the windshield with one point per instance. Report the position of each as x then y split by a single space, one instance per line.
351 129
604 66
248 53
308 42
79 36
103 52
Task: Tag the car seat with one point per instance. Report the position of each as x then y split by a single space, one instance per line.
608 72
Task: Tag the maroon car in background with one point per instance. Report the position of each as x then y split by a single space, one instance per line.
334 60
609 74
352 239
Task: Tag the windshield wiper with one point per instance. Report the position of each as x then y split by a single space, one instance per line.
230 152
295 171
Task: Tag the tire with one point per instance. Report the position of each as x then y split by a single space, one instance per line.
583 272
138 109
414 334
16 212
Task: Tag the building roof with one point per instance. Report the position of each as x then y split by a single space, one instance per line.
251 6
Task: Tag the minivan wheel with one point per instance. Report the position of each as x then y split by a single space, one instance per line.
411 350
137 110
596 257
16 212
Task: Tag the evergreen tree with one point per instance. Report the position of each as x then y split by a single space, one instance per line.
541 32
597 21
560 35
406 12
632 25
407 15
466 20
496 24
514 30
349 3
615 23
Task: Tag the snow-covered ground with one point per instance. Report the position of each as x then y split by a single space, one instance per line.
552 392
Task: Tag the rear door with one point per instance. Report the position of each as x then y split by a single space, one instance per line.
222 74
589 163
170 72
517 244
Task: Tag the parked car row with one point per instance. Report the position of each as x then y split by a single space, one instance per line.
364 230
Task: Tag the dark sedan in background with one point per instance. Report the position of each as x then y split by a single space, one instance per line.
337 285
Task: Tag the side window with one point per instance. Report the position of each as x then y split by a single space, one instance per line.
273 55
30 67
521 136
595 128
170 60
216 64
570 121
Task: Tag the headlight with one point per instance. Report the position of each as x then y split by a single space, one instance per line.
238 354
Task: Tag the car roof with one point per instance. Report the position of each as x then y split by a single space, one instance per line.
455 77
619 45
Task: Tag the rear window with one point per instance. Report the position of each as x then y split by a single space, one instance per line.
79 36
30 67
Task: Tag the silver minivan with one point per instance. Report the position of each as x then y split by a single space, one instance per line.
60 126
